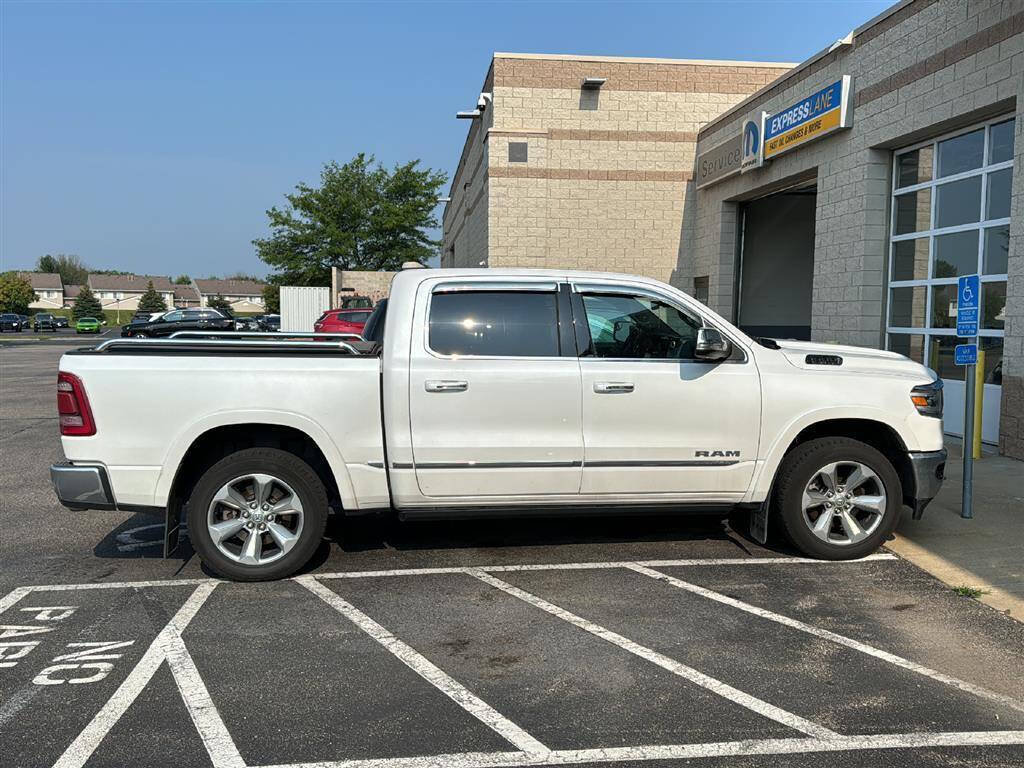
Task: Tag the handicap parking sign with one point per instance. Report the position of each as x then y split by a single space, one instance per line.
965 354
967 297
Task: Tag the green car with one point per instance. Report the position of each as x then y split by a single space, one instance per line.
87 325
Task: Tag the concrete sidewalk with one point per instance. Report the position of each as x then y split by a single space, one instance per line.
986 552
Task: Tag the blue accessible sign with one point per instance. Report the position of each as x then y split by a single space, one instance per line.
967 295
965 354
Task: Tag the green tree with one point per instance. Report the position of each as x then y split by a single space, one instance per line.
86 305
151 301
183 280
362 216
272 298
244 276
72 269
15 293
219 302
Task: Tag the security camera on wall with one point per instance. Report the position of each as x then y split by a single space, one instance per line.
483 102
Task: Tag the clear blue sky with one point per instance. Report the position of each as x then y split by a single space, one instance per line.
152 137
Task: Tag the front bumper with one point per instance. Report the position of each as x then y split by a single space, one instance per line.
927 471
82 486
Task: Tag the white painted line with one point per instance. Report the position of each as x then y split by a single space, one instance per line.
212 730
682 751
12 597
427 670
883 556
81 749
122 585
724 690
825 634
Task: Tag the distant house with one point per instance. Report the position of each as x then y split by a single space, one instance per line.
185 296
71 293
243 295
48 287
124 291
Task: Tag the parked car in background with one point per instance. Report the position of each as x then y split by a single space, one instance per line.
342 321
269 322
356 302
247 324
44 322
199 319
61 321
25 322
10 322
143 316
87 325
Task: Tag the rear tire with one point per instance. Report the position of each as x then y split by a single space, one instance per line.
837 498
222 498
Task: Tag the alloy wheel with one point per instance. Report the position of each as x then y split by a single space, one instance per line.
844 503
255 519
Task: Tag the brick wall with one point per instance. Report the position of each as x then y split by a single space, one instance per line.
376 285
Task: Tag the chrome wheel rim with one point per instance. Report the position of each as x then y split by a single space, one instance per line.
844 503
255 519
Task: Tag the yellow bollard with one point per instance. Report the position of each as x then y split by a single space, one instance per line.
979 399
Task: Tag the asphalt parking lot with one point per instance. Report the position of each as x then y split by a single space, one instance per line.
627 641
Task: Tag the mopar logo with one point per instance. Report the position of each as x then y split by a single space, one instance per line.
717 454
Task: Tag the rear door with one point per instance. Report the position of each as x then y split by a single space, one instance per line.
495 391
655 420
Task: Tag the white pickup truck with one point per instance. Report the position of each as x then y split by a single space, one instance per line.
497 392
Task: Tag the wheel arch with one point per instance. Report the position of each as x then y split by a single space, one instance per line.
205 445
871 429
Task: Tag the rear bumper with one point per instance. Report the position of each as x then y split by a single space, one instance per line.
927 471
82 486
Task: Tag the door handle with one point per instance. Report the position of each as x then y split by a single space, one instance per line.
433 385
612 387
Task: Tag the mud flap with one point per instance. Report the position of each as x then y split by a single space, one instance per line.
759 523
172 529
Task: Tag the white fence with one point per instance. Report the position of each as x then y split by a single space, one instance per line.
301 306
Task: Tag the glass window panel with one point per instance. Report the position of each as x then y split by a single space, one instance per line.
961 153
1000 142
997 197
637 327
913 211
909 344
997 251
956 254
993 305
992 348
914 167
958 202
910 259
907 307
944 306
504 323
941 358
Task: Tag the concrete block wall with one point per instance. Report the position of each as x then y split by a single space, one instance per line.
375 285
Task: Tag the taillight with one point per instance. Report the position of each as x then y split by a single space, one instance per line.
73 407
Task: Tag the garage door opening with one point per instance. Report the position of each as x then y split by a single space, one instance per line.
777 264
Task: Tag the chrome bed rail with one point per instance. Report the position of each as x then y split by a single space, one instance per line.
226 345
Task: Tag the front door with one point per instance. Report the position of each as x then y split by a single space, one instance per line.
494 400
655 420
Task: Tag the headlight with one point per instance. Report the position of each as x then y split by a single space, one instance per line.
927 398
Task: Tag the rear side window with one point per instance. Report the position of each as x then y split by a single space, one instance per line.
494 323
355 317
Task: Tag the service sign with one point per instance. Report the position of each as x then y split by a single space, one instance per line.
751 135
719 162
816 116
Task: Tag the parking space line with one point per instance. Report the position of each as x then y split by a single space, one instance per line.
81 749
831 636
604 565
12 597
427 670
681 751
712 684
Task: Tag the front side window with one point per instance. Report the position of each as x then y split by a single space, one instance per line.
639 327
951 216
494 323
173 317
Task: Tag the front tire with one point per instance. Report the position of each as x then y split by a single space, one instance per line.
837 498
257 514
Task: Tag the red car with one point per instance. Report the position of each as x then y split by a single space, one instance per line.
342 321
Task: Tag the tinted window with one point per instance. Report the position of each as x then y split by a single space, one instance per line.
355 317
639 327
172 317
501 323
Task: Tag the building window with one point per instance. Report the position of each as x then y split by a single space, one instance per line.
517 151
701 289
950 217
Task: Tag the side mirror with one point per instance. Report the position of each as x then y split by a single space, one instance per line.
712 347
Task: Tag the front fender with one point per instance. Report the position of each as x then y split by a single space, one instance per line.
768 464
187 437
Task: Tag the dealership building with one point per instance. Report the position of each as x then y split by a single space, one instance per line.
837 200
